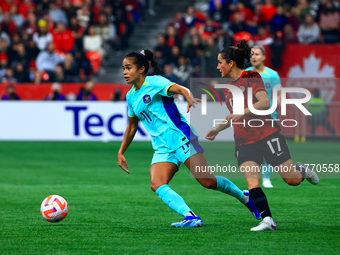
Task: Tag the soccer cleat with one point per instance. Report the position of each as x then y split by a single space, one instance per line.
189 222
266 183
311 176
266 225
251 206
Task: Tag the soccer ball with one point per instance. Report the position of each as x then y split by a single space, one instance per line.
54 208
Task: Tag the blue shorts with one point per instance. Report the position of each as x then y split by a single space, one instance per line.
178 156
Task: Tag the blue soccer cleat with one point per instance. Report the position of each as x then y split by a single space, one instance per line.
252 207
189 222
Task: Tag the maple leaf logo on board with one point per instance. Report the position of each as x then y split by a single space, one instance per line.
311 66
313 76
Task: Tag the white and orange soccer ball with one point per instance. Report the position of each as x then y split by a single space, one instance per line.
54 208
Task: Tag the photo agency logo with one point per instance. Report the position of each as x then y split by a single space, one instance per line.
237 103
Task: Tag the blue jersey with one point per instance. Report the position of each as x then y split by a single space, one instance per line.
270 79
155 107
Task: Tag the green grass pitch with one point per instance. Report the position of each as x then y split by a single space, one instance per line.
112 212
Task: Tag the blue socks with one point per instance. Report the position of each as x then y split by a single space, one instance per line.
226 186
172 199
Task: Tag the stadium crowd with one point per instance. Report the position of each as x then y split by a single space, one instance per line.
66 40
61 40
191 42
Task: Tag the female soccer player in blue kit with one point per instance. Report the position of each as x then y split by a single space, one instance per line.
151 100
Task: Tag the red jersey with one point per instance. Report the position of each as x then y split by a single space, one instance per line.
244 133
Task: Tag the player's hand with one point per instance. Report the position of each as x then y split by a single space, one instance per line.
211 134
122 162
192 102
234 117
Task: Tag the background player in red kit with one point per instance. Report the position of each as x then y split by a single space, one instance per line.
252 144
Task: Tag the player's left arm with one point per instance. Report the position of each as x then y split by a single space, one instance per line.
178 89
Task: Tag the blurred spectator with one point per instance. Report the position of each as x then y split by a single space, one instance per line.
211 52
59 74
289 36
179 24
190 51
237 25
68 9
85 68
7 25
219 11
329 23
26 7
162 46
190 18
3 46
107 32
83 16
86 92
171 37
245 13
268 10
168 73
158 57
209 28
77 32
309 31
124 27
255 19
193 31
48 60
42 37
93 42
263 37
71 70
10 93
63 39
279 20
43 5
22 56
32 49
4 35
301 10
3 64
9 76
182 72
116 95
173 59
21 74
55 94
291 18
57 14
30 25
12 50
222 40
319 110
321 9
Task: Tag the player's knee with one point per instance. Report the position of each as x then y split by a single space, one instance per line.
209 183
155 185
293 181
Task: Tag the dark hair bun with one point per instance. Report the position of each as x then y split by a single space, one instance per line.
244 47
148 55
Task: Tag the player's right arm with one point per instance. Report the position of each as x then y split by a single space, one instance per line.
214 132
130 132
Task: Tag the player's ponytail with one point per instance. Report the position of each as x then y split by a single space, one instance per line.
245 49
142 59
237 54
154 64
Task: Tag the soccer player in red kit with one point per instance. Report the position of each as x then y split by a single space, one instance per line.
252 144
